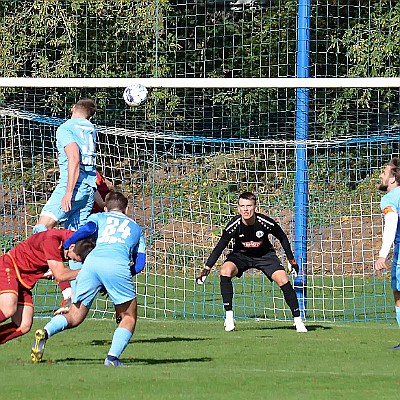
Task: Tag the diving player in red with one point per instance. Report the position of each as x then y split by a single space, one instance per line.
252 249
24 265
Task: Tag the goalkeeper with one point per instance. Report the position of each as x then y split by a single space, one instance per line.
252 249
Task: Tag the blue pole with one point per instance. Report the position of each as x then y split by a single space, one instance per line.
301 185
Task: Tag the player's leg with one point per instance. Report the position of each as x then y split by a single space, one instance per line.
77 313
21 318
87 288
9 288
281 278
395 278
121 290
396 295
80 210
229 269
44 223
21 323
51 212
8 305
127 314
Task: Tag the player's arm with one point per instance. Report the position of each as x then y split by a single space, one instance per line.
282 237
73 155
391 218
212 259
60 272
99 200
139 256
85 231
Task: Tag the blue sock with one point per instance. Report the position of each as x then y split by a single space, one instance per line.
398 315
56 324
120 341
39 228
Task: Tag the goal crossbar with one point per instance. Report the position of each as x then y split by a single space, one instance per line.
375 82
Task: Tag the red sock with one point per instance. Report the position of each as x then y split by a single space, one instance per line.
2 317
63 285
9 331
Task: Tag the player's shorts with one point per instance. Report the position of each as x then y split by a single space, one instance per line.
82 204
396 269
268 264
10 284
98 272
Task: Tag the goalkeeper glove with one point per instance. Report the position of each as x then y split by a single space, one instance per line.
203 276
293 267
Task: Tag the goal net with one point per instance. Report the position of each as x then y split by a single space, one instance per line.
185 155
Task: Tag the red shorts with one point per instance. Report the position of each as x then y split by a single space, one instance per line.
9 282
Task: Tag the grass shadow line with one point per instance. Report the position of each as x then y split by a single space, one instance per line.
100 342
127 361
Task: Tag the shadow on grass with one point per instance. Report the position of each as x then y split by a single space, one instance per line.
155 340
288 327
129 361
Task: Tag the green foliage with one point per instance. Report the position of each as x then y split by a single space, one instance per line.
371 45
51 39
141 38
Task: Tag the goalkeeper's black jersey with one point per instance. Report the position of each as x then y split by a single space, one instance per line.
251 240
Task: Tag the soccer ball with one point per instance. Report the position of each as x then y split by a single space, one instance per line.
135 94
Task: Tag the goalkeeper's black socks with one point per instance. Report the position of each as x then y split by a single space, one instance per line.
291 299
226 292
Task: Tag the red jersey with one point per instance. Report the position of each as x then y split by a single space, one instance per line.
103 189
30 256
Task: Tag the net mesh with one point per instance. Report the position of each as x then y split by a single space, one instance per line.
183 190
185 154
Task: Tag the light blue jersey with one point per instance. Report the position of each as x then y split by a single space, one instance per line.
390 202
119 240
82 132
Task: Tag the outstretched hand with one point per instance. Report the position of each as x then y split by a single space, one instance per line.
203 276
293 267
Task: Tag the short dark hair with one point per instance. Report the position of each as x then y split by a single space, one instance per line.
248 196
116 201
394 164
84 247
86 106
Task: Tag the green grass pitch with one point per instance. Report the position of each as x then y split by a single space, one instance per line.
175 359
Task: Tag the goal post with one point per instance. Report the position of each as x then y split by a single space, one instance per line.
185 155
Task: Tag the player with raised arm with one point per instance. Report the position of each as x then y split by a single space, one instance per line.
119 254
24 265
73 198
390 206
252 249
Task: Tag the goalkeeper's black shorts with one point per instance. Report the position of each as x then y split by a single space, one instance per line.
268 263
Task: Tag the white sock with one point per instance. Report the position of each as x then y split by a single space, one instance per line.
398 315
67 293
229 314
